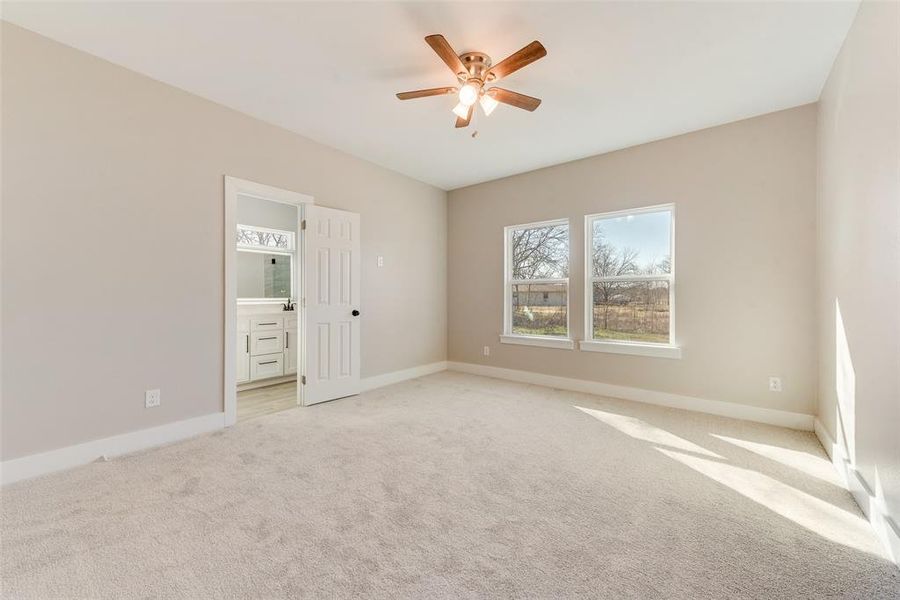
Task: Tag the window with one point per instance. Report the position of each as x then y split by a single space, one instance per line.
261 238
537 285
629 282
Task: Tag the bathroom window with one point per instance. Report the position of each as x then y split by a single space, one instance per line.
261 238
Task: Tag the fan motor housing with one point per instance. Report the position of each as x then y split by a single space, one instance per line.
477 64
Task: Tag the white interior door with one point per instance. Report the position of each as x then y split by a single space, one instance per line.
332 304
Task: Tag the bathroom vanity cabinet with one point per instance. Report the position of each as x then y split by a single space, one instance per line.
266 346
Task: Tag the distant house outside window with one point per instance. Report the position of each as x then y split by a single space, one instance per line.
537 281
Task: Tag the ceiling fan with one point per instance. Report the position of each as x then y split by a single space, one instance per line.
474 71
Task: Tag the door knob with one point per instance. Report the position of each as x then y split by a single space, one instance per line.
355 313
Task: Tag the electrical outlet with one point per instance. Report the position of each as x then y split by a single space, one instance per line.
151 398
775 384
487 350
380 261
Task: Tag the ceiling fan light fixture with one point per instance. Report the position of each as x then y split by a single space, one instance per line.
468 94
473 70
488 104
461 110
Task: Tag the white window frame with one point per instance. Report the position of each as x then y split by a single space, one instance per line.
589 344
546 341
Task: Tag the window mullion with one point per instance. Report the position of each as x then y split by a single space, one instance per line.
538 281
653 277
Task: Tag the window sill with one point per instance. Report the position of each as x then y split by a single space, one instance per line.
535 340
633 348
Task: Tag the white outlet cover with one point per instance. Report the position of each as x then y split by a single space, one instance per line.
151 398
775 384
380 261
487 350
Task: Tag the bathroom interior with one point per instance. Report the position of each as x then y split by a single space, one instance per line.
268 332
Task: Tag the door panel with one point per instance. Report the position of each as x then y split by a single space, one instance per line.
323 275
346 360
323 357
333 263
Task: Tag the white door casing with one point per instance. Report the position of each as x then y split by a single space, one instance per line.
332 296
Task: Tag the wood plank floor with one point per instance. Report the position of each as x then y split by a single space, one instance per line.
266 400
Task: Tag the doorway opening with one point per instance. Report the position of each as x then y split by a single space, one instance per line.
292 301
264 293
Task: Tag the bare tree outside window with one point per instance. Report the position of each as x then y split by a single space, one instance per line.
541 253
630 276
538 278
264 238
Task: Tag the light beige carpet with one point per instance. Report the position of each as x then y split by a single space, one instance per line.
452 486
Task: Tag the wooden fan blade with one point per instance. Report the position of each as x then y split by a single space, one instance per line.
447 54
516 61
514 98
465 122
441 91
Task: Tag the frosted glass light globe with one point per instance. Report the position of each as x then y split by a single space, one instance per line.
468 94
488 105
461 111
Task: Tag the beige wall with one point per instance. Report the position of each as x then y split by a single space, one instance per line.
112 240
859 249
744 255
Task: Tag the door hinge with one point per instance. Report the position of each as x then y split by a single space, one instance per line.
302 224
303 380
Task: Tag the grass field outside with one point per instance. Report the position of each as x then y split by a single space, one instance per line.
635 323
609 334
540 320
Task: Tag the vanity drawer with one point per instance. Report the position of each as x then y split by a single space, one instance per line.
266 323
267 365
266 342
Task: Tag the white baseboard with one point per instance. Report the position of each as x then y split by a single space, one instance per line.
885 526
377 381
81 454
36 465
713 407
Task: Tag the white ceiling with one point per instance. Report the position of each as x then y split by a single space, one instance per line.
616 74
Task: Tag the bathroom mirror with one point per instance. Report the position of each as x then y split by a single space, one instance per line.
263 275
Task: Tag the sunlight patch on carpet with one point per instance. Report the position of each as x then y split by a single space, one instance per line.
644 431
814 514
